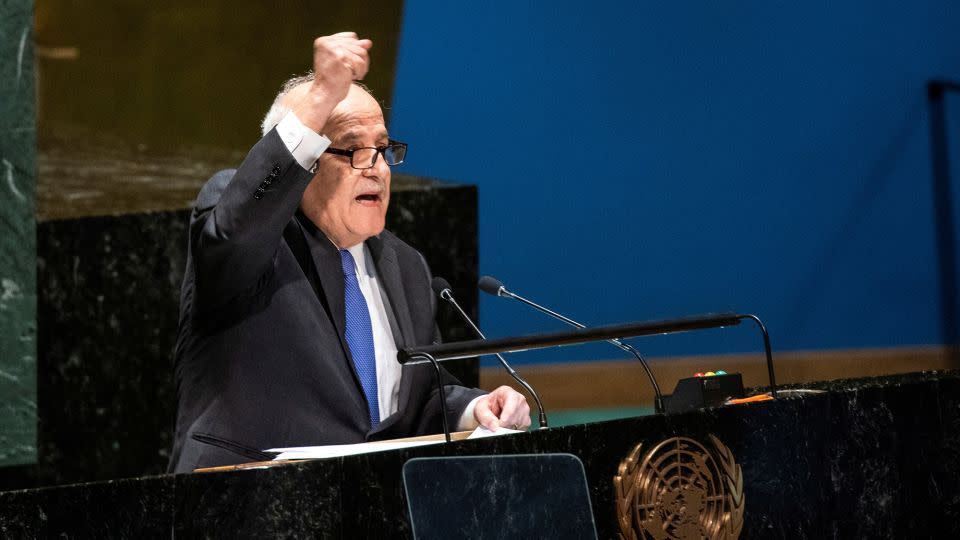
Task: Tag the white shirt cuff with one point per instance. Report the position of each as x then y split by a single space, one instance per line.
305 144
468 422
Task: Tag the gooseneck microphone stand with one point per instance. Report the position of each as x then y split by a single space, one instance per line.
443 398
442 288
495 287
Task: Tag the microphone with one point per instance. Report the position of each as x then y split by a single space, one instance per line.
442 288
494 286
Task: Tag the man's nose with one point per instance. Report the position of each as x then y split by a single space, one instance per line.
379 170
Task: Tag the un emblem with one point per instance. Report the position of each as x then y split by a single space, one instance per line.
680 490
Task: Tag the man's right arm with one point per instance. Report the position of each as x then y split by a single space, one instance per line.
236 228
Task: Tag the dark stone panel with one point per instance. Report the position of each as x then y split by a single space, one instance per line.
108 308
506 496
108 321
884 457
918 446
283 502
781 464
377 478
600 457
944 483
889 452
862 461
130 508
20 515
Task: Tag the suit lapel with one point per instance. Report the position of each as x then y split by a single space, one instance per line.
329 271
388 270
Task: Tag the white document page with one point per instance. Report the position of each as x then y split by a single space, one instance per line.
482 432
340 450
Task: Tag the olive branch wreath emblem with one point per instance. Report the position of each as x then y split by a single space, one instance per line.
680 489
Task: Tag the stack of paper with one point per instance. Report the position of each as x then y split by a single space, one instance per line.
339 450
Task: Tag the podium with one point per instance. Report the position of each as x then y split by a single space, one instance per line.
877 457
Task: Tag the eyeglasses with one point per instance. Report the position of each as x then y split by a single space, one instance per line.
366 157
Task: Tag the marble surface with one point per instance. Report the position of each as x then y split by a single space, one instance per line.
499 497
108 307
140 508
869 458
108 296
17 246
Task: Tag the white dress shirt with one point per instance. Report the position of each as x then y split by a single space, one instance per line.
305 144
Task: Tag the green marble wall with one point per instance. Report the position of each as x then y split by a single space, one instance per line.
18 299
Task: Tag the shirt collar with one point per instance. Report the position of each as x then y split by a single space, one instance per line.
358 251
359 258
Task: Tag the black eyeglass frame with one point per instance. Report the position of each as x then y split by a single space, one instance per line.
380 150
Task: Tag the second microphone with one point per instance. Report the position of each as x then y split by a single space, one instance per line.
442 288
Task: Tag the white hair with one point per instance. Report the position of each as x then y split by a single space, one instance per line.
278 110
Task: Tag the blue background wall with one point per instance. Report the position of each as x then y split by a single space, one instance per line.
688 157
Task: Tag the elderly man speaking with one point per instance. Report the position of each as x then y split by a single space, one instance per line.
295 299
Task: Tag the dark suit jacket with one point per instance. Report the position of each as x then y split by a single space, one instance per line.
261 358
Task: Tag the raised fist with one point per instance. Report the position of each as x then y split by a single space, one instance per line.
338 60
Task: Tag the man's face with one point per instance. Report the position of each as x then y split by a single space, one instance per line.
350 205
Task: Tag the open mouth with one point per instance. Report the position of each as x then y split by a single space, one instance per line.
368 198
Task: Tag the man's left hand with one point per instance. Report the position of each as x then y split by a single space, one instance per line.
504 407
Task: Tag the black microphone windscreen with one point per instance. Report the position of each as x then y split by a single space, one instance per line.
439 285
490 285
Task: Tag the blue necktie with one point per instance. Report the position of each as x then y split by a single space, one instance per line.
360 336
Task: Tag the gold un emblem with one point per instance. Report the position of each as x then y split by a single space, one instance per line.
680 490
